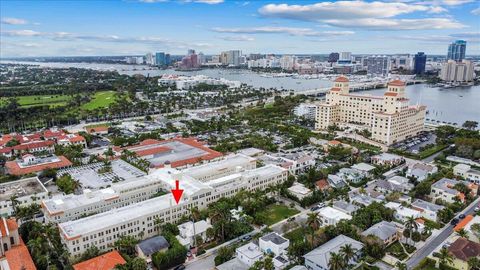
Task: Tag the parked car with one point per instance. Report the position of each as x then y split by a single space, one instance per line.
247 238
454 221
462 216
180 267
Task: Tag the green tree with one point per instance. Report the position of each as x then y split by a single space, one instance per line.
462 233
411 225
336 262
91 252
224 254
474 263
348 253
445 257
471 125
314 223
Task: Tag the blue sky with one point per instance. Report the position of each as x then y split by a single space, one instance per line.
51 28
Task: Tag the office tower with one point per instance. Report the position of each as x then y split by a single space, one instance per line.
378 65
168 61
345 56
201 59
191 51
402 61
288 62
149 60
333 57
160 59
255 56
456 50
420 60
453 71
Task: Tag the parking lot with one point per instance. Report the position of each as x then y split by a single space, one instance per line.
414 144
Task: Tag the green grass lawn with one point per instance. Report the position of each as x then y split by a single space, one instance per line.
30 101
296 235
275 213
100 100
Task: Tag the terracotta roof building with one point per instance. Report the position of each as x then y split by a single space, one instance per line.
107 261
463 249
18 258
178 152
31 164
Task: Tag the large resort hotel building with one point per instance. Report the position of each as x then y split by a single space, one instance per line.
127 211
390 119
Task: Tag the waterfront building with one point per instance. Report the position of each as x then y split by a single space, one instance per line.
456 50
189 82
307 110
420 61
103 229
402 61
288 62
378 65
457 72
345 58
230 58
389 118
160 59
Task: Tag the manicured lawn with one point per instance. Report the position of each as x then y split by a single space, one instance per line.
275 213
396 251
296 235
30 101
100 100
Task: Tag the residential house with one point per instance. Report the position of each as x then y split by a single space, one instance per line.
385 231
387 159
421 171
345 207
402 213
394 184
106 261
331 216
428 210
351 175
364 168
444 189
318 258
188 232
274 243
322 185
249 254
146 248
467 173
336 181
299 191
462 250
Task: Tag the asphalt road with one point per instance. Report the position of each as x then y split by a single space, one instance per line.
437 241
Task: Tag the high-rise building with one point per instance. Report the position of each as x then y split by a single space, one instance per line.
378 65
191 51
389 118
345 56
453 71
160 59
456 50
230 58
402 61
333 57
420 60
201 59
287 62
149 60
168 61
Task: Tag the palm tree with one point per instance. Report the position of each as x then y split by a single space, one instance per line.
474 263
411 225
445 257
462 233
348 253
314 223
336 262
195 216
15 202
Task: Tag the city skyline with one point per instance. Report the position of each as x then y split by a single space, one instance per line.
211 26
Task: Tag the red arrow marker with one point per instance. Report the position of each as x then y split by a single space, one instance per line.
177 192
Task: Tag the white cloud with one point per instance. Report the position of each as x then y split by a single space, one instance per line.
21 33
13 21
468 36
476 11
398 24
445 2
238 38
341 9
293 31
210 2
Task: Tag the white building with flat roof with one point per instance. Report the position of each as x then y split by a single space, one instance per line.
331 216
467 172
26 191
71 207
104 229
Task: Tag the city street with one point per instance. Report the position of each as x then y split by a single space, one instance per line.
437 241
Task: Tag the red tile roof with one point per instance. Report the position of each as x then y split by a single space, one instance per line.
341 79
9 224
96 129
32 145
335 89
391 94
334 142
13 168
396 82
107 261
463 223
322 184
464 249
18 258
